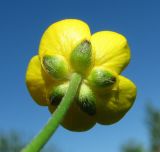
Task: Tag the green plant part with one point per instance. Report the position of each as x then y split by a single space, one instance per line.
58 93
55 66
101 78
81 57
86 100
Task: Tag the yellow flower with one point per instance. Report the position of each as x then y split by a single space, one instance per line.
66 47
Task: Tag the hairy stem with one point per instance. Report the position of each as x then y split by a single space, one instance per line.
44 135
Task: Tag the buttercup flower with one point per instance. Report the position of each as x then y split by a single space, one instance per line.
104 96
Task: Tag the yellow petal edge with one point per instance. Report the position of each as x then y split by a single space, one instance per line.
35 81
113 105
111 50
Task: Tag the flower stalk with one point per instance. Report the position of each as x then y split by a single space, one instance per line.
44 135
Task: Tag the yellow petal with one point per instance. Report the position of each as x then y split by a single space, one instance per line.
112 106
75 119
35 81
63 36
111 50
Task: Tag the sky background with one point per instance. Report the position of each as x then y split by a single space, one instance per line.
22 24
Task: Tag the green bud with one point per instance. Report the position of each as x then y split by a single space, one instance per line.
58 93
55 66
86 100
81 57
101 78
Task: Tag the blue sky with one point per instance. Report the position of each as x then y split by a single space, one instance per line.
22 24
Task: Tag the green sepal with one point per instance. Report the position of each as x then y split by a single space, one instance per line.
55 66
58 93
101 78
86 100
81 57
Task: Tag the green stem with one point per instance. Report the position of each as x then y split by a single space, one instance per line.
44 135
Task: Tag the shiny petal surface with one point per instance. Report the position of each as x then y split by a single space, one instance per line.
35 81
63 36
113 105
111 50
